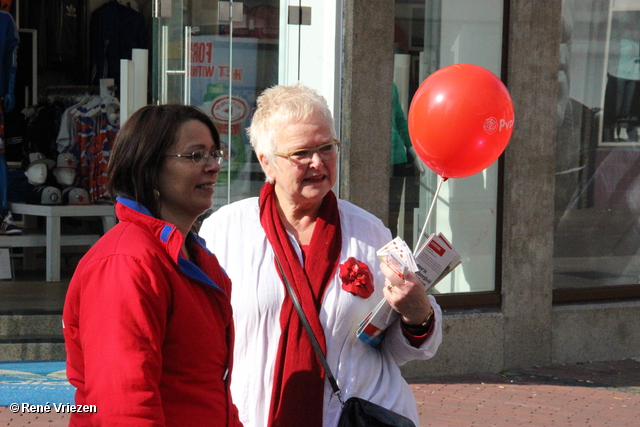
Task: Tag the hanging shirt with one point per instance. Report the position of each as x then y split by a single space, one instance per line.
115 30
92 147
62 35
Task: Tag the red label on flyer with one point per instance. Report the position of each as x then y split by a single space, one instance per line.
436 248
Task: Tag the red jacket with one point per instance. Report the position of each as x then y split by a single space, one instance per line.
149 334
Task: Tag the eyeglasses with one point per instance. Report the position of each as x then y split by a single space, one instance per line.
303 157
202 156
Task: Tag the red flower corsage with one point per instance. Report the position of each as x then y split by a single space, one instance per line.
356 278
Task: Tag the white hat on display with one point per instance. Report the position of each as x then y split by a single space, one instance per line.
66 160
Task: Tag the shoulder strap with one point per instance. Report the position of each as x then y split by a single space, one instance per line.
312 336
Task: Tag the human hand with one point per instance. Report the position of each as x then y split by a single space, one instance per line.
406 295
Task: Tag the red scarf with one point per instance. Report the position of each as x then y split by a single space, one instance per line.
298 380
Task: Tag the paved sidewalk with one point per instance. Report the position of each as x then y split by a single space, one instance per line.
587 394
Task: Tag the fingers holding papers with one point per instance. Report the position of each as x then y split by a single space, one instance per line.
406 295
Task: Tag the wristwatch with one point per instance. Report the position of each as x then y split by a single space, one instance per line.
423 327
427 319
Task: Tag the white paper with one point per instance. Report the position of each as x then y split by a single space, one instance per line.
435 259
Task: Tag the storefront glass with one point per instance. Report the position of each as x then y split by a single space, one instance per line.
430 35
597 232
219 56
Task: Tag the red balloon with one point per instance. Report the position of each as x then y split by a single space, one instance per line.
460 120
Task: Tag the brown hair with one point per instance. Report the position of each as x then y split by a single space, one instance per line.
138 151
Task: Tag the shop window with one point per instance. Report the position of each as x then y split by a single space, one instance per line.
430 35
59 133
597 202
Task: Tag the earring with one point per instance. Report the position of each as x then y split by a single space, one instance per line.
156 194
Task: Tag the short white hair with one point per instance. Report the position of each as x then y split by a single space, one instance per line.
280 106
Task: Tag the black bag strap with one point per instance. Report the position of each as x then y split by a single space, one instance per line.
312 336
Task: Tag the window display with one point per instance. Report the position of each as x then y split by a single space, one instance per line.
429 36
597 209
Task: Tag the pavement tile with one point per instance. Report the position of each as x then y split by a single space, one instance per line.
587 394
7 418
598 394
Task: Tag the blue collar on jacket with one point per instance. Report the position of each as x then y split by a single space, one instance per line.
187 267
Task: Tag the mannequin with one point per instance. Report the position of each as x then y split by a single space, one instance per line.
36 168
65 174
65 170
8 52
36 174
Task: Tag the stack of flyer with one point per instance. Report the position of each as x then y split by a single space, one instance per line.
435 259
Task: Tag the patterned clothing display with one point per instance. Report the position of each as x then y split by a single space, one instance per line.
92 147
83 125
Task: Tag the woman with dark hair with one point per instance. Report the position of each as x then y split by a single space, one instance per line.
147 318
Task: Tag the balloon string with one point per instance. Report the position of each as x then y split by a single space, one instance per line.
426 221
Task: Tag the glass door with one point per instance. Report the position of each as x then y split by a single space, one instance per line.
219 56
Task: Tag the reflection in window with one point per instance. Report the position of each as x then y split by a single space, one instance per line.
597 198
430 35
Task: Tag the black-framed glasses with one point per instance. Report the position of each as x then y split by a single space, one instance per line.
303 157
202 156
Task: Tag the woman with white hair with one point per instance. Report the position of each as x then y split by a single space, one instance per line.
327 250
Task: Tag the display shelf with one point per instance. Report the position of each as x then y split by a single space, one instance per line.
53 239
34 239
